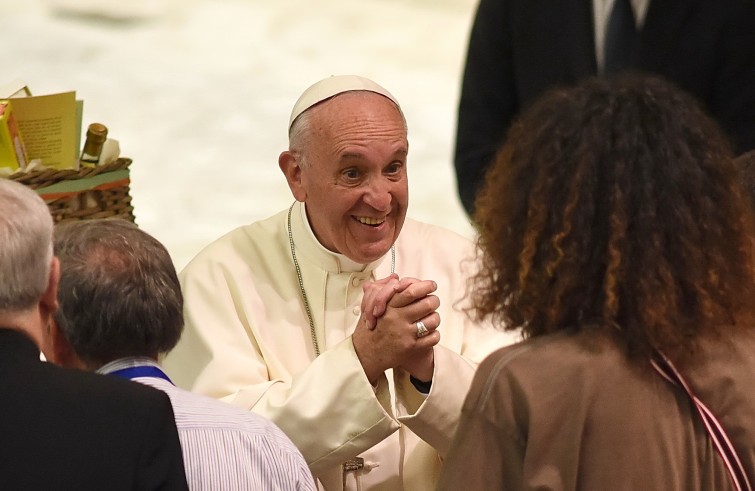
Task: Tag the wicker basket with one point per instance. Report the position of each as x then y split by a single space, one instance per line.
87 193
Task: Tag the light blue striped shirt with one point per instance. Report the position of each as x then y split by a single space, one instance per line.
224 447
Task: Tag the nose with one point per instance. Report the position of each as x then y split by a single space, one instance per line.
378 195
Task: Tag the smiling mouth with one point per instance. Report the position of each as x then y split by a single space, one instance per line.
373 222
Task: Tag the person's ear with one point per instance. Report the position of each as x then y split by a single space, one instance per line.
49 301
58 350
290 164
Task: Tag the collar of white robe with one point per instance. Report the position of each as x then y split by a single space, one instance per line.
305 299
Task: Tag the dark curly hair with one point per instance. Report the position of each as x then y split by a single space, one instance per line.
746 163
616 204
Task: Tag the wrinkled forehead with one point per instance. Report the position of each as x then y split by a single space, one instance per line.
332 86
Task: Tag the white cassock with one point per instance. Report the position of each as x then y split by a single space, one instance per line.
247 340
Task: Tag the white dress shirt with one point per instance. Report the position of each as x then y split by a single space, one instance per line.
601 11
224 447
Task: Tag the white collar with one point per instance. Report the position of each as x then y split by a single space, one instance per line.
128 362
340 263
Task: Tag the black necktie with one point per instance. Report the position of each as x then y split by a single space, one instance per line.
621 33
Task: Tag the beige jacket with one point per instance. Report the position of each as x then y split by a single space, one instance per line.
568 412
247 340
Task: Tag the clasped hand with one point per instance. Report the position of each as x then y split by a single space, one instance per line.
386 336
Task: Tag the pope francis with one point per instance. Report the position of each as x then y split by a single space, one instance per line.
325 317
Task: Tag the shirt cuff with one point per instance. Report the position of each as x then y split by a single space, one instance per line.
423 387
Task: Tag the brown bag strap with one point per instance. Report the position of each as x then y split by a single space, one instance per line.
716 432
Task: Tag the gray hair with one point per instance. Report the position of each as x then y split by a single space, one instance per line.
119 293
26 246
300 135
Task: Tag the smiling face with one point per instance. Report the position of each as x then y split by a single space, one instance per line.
352 176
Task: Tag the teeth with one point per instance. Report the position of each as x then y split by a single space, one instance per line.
370 221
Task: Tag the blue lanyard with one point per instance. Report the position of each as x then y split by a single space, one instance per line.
141 371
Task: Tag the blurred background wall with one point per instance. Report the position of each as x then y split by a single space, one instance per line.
198 93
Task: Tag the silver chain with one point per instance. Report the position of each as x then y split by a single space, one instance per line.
312 331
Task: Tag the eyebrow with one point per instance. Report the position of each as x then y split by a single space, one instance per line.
401 152
351 155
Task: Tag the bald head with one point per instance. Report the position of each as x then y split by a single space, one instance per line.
319 95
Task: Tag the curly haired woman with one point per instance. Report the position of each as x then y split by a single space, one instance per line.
616 235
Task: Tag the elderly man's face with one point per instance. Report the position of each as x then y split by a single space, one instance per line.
354 178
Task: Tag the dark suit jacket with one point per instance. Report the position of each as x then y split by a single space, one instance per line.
520 48
66 429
